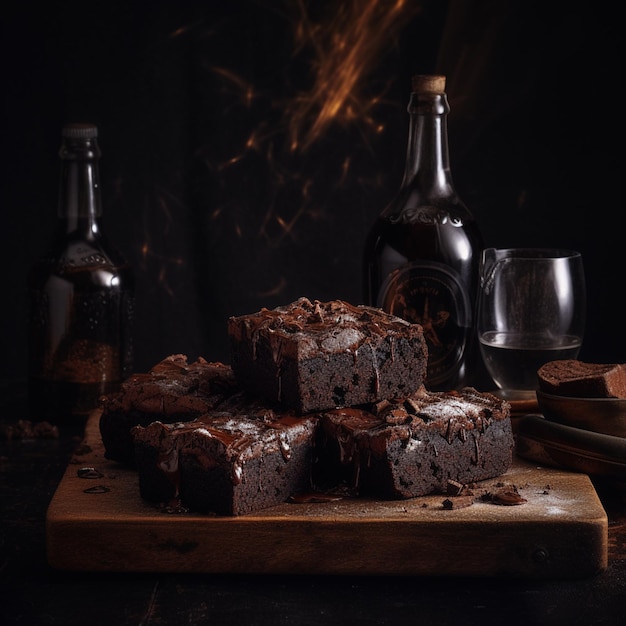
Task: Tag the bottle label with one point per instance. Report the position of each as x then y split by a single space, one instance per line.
432 295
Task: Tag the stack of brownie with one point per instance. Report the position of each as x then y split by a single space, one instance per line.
173 390
318 395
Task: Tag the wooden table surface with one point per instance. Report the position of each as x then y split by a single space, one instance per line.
33 594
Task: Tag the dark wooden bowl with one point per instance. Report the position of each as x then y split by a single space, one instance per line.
601 415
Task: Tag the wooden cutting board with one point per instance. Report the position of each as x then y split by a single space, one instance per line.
101 524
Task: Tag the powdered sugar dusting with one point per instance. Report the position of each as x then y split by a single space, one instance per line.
449 408
343 339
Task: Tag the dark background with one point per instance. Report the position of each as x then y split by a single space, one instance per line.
231 183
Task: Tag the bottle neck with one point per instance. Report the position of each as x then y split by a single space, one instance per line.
79 206
427 159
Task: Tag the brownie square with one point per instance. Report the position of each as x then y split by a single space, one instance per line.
311 356
226 462
414 447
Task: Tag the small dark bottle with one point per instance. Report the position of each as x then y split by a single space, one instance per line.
421 256
81 296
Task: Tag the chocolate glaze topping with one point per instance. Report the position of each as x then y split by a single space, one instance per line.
243 431
174 386
450 413
318 327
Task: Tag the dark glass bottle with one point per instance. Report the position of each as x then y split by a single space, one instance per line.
421 256
81 296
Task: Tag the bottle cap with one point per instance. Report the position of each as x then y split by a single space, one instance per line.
80 131
424 83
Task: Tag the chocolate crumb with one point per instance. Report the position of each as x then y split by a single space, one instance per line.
505 496
508 498
454 488
397 416
457 502
380 406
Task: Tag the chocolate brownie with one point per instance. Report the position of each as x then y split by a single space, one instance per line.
413 447
226 462
311 356
173 390
570 377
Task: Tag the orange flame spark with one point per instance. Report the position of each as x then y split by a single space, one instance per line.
345 49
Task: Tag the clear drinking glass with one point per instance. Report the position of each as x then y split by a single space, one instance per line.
531 309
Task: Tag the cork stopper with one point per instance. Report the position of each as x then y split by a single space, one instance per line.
423 83
79 131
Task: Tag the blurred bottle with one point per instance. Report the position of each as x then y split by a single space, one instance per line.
81 296
421 256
